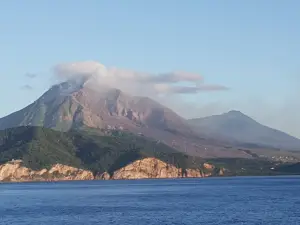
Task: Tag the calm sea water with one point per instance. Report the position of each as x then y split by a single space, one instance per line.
251 200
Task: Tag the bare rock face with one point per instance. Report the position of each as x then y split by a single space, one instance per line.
153 168
103 176
208 166
71 173
221 172
14 172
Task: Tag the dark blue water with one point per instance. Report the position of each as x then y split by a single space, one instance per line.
260 200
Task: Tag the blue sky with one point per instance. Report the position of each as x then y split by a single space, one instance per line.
250 46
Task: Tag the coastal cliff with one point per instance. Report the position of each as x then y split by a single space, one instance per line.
14 171
153 168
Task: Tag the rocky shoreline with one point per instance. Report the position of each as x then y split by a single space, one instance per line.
147 168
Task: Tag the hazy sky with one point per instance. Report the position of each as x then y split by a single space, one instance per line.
251 47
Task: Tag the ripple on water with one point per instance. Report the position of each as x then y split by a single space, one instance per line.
243 200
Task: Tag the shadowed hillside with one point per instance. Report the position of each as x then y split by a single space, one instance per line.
41 147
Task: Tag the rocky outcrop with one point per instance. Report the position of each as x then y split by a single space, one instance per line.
70 173
153 168
103 176
221 172
146 168
14 171
208 166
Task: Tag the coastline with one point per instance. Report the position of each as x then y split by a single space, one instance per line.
153 179
147 168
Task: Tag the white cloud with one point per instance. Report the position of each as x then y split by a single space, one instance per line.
67 71
138 83
165 88
170 90
173 77
26 87
31 75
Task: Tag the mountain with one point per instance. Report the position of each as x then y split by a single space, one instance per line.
239 128
80 104
74 104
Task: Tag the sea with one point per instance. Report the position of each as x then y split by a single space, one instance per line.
228 200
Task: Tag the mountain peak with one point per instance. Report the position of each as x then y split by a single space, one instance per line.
85 102
238 127
235 113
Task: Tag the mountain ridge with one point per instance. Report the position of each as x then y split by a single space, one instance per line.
80 103
239 128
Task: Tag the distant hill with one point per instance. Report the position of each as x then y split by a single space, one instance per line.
239 128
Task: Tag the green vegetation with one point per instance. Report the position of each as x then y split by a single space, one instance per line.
90 149
37 147
288 168
41 147
247 167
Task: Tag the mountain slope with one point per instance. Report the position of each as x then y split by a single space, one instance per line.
236 127
79 104
73 104
51 110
